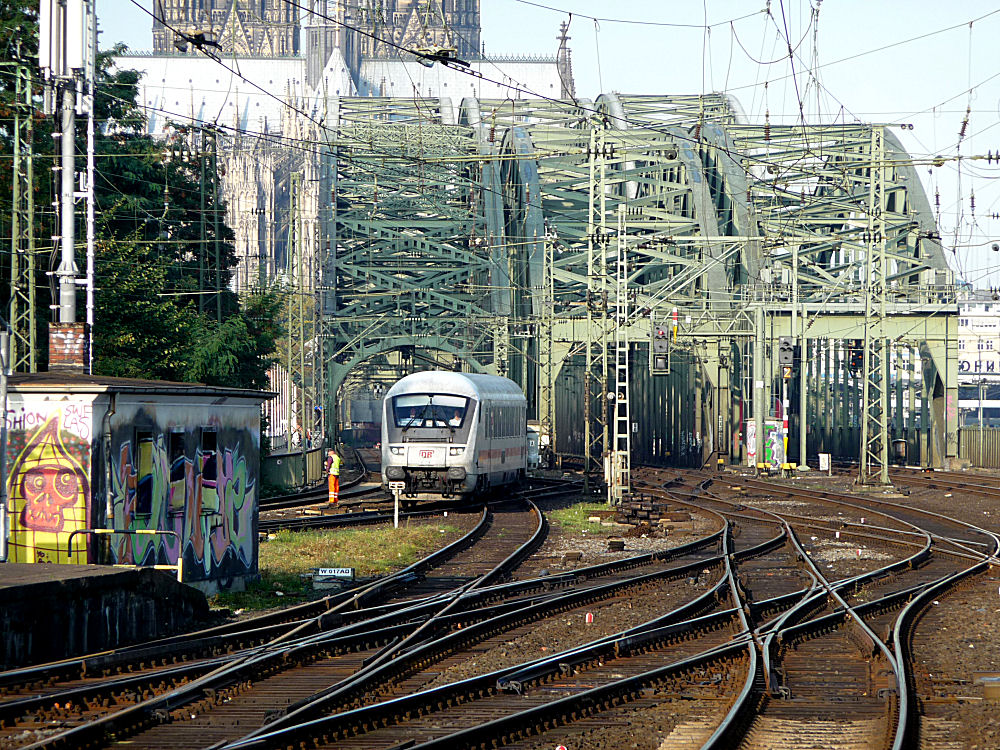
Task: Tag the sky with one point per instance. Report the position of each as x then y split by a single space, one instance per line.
897 62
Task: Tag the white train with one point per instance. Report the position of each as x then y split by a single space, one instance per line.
453 434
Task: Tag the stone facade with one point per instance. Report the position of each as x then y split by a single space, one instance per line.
253 28
414 24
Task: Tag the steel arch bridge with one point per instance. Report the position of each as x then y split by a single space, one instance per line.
494 231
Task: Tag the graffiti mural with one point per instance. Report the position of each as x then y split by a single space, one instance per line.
209 501
48 488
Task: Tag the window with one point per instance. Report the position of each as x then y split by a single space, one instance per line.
178 469
209 475
429 410
144 472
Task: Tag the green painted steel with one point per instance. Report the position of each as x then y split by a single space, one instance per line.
441 221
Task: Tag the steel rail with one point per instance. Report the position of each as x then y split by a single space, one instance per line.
266 625
897 659
257 658
726 731
382 713
659 632
426 653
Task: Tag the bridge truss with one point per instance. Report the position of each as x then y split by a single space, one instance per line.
503 234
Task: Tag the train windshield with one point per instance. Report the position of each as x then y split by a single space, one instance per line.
429 410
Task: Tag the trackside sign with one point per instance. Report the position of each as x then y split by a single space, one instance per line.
339 574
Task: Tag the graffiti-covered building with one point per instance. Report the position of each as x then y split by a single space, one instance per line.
87 452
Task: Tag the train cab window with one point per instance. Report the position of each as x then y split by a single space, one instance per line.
429 410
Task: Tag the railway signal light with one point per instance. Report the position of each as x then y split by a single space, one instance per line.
855 355
660 351
786 350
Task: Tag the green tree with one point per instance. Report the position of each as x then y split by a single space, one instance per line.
239 352
157 201
157 251
141 332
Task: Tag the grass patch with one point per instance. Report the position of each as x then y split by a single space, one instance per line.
573 519
370 551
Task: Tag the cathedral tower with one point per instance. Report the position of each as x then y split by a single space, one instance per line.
417 24
252 28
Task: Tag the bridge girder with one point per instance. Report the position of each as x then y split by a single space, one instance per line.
440 227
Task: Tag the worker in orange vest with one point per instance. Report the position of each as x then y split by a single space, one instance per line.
333 470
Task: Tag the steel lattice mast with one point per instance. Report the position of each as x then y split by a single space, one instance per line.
874 448
22 258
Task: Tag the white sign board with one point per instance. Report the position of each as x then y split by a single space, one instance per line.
339 573
397 486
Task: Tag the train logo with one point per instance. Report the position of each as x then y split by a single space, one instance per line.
426 453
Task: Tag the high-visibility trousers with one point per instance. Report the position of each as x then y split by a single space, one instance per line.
334 488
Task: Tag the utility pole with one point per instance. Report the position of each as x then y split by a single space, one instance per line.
66 272
290 285
803 389
802 351
66 58
300 303
295 356
216 223
202 230
547 374
209 149
755 442
596 440
89 281
4 372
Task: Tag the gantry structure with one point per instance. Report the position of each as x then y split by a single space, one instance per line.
553 241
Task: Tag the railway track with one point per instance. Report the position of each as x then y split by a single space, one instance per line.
81 699
739 639
350 490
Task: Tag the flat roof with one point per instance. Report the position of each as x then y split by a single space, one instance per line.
68 382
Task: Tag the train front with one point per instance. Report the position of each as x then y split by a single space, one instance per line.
427 442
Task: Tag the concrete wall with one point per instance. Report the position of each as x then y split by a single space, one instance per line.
54 612
49 458
184 464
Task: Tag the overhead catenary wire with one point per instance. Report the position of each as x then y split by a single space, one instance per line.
411 50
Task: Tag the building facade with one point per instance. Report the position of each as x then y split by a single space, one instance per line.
253 28
979 361
392 25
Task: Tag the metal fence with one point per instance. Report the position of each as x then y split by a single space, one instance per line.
285 469
980 446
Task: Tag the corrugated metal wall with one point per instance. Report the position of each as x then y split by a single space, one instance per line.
664 411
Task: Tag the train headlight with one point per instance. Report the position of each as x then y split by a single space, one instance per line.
456 450
396 450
